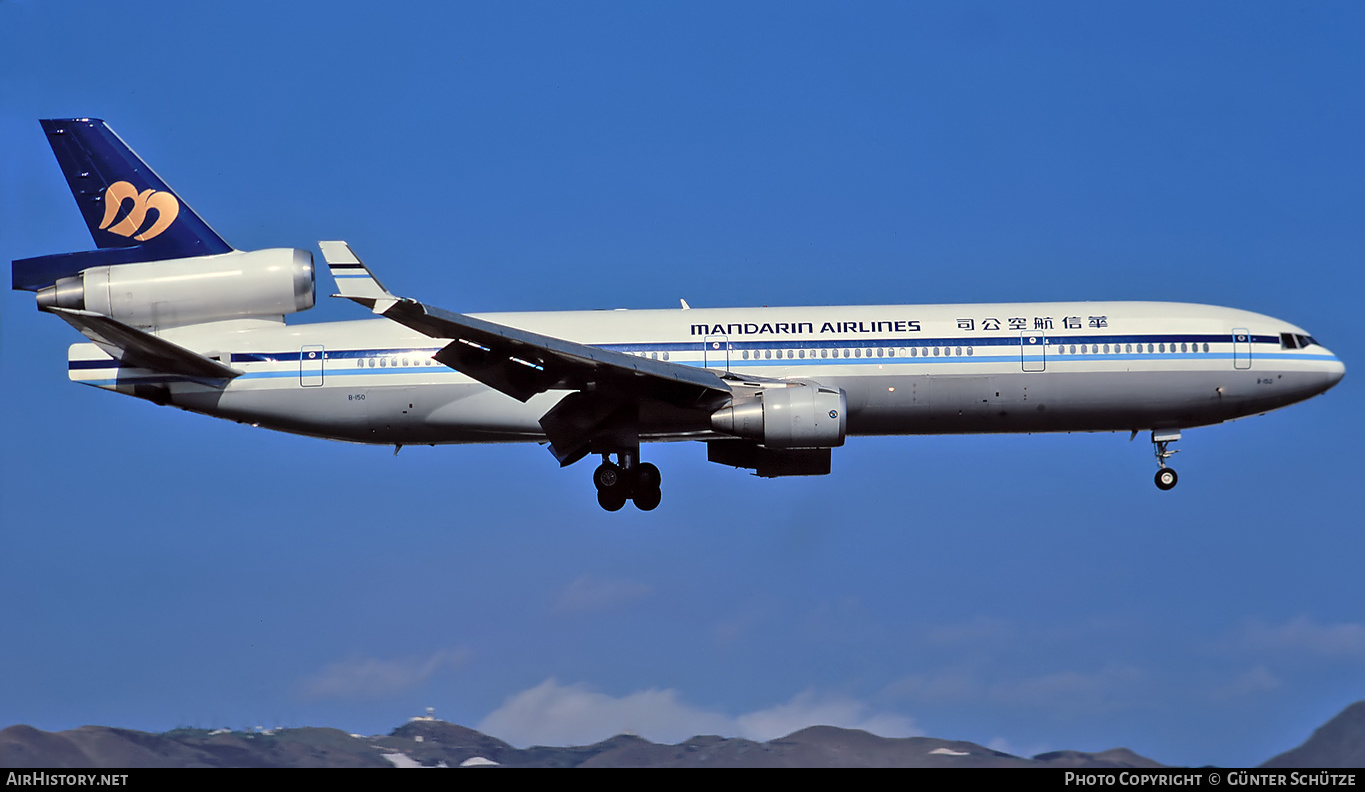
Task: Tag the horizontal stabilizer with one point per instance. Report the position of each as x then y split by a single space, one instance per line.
354 279
133 347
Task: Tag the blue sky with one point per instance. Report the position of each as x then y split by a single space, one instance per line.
160 569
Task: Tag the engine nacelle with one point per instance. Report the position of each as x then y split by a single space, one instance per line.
798 416
234 285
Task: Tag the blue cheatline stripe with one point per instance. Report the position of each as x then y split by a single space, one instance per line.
741 346
331 354
735 364
737 348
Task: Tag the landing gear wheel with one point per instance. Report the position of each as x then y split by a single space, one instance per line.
627 480
608 477
1166 478
647 499
611 500
647 477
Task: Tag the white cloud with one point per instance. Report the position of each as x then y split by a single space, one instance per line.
1069 690
942 687
1062 691
981 631
555 714
1005 746
1344 640
591 594
811 709
368 677
1256 680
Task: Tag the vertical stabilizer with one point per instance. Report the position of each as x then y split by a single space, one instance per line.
124 203
132 214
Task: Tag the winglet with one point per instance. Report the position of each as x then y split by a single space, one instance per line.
354 280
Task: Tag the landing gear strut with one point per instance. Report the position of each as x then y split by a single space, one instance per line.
627 479
1165 477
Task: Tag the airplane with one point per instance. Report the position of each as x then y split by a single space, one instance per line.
177 316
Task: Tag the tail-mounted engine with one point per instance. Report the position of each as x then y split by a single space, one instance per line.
796 416
236 285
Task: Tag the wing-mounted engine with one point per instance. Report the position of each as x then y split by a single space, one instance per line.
799 415
236 285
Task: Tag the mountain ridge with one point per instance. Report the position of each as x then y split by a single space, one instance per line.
428 742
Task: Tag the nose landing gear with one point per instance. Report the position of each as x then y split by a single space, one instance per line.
1165 477
625 480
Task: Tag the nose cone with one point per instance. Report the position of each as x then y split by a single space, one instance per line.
1335 371
1329 368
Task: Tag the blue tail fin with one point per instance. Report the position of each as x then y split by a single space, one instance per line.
131 213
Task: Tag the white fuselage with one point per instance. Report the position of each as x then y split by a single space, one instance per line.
906 369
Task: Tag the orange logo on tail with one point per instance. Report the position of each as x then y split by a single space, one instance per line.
165 204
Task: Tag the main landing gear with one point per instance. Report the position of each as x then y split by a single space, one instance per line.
627 479
1165 477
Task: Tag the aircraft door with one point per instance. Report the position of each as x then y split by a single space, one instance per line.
1241 348
311 359
1033 350
716 352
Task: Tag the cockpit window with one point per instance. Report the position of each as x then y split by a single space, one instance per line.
1304 340
1287 341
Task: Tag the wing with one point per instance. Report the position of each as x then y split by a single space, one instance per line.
610 386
